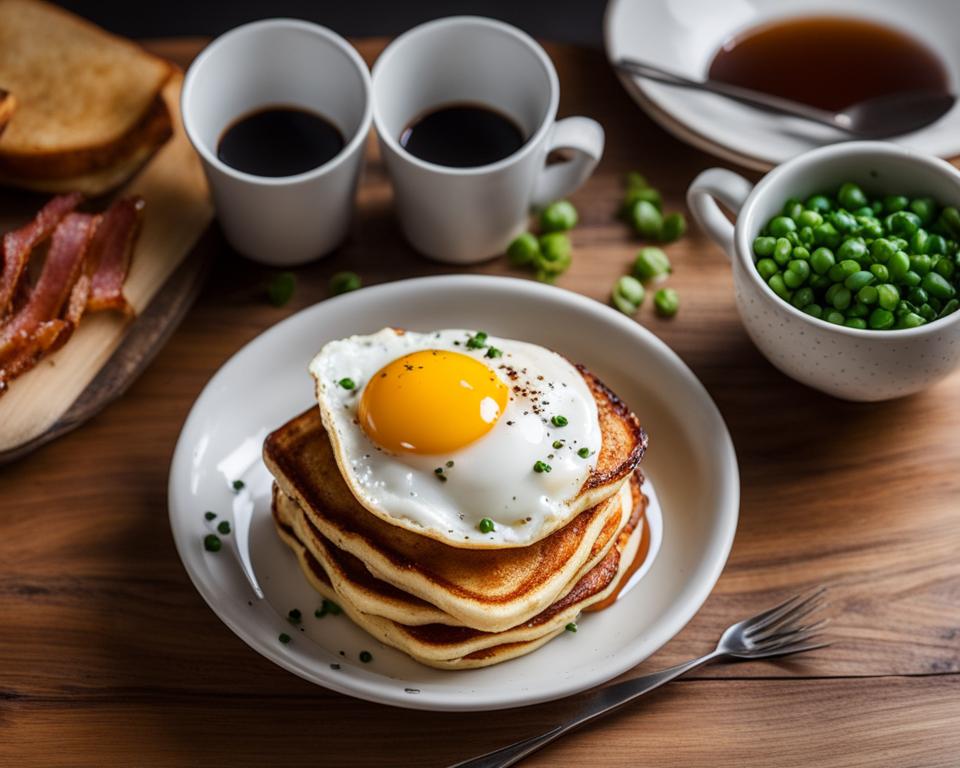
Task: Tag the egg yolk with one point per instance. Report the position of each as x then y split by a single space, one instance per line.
431 402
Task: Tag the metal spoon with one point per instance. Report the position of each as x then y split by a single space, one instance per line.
876 118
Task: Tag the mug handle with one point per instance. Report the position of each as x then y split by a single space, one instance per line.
729 188
585 137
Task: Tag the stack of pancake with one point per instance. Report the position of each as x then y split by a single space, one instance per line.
458 604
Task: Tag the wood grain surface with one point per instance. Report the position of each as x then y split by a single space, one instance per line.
109 657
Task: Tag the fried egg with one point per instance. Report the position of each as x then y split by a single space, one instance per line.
471 439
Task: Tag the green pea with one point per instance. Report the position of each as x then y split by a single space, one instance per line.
556 253
949 308
796 273
344 282
559 216
523 250
921 263
881 319
831 292
281 288
841 298
779 287
820 282
845 269
628 294
944 267
674 225
782 251
767 268
882 250
937 285
814 310
834 317
843 221
877 207
635 195
888 297
863 212
858 309
851 196
826 234
936 245
868 295
950 220
856 322
666 302
802 298
646 219
894 203
821 260
809 218
819 203
903 223
899 265
911 320
854 248
927 312
880 272
857 280
911 278
918 242
805 235
780 225
763 245
635 180
869 227
925 208
652 263
917 296
792 208
800 252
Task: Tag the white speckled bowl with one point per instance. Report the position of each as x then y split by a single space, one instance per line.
844 362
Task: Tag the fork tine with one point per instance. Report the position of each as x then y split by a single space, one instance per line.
785 609
787 638
789 620
790 634
787 650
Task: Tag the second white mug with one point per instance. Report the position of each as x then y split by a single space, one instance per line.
465 215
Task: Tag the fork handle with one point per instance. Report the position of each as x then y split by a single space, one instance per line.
602 702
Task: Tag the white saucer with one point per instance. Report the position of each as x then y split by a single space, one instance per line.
684 35
691 462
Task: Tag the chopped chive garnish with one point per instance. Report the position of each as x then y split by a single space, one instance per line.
212 543
449 464
366 657
486 525
332 608
542 466
281 288
284 638
320 612
571 627
209 515
294 615
347 383
238 485
477 341
559 421
583 452
438 471
493 352
224 527
557 445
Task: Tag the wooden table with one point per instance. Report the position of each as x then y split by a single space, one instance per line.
109 657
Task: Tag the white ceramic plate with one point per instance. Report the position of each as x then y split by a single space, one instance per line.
691 462
684 35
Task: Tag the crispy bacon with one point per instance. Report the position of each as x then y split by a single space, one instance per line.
18 245
48 337
62 268
110 253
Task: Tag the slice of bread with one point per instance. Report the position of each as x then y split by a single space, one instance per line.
80 92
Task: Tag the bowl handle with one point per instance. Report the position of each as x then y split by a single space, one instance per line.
729 188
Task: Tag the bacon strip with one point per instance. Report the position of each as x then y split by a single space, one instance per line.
110 253
48 337
18 245
61 270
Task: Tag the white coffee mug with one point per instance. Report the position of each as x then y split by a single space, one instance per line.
283 220
465 215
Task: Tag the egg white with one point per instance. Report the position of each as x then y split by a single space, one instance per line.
493 477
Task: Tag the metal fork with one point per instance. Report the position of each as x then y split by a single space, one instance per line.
775 632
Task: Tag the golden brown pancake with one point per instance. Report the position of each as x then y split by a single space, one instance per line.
490 590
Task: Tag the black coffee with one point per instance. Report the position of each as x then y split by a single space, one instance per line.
279 141
462 136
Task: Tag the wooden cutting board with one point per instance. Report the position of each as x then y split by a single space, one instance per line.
106 353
